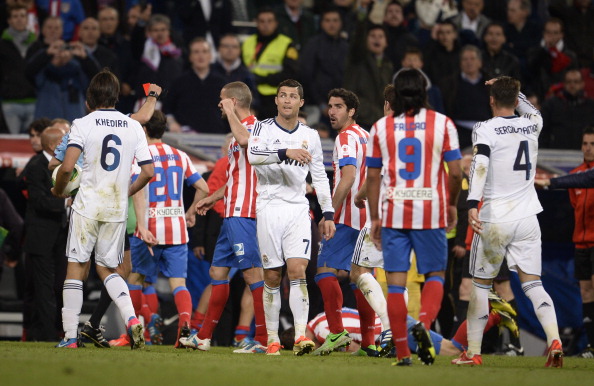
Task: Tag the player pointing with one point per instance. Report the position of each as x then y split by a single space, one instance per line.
284 151
502 175
109 142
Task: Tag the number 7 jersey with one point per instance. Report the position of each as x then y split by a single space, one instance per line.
412 151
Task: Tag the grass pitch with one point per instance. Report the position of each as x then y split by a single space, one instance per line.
42 364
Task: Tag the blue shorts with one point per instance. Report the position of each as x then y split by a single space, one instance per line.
337 252
171 260
237 245
430 246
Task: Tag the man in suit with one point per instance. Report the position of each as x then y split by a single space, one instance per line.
45 240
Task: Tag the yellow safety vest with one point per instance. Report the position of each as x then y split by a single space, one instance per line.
269 62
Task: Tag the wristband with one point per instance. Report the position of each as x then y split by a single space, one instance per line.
153 94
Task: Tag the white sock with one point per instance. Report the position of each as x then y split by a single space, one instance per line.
544 308
372 291
477 317
72 295
299 302
272 306
118 291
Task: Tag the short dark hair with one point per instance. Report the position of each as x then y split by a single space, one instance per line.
373 27
450 23
103 90
291 83
389 94
588 130
493 24
198 39
329 9
241 92
39 125
15 7
155 127
554 20
505 91
350 98
265 10
410 92
413 51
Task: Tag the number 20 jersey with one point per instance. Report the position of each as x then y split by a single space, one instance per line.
110 142
412 151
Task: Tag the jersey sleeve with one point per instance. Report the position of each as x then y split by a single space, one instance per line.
451 145
191 174
320 178
577 180
76 137
527 110
480 165
259 150
346 149
374 154
142 152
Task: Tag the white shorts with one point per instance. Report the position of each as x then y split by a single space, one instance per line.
107 238
283 233
365 253
517 241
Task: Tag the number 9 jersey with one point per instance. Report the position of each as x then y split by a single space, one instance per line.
110 141
412 151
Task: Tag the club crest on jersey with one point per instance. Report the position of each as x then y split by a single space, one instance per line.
265 258
304 145
238 249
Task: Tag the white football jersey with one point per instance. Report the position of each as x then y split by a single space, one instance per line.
109 141
504 165
281 182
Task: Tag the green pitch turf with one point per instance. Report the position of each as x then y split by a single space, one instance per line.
42 364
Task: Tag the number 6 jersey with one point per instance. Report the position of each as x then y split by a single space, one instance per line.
504 165
412 151
109 141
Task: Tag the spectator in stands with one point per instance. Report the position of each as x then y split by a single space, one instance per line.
11 233
296 22
35 129
373 71
548 62
229 65
399 39
271 57
210 19
496 61
442 56
579 28
318 64
521 33
113 39
17 93
89 36
45 241
565 113
465 96
93 8
61 73
69 11
431 12
192 103
413 58
160 58
348 16
471 23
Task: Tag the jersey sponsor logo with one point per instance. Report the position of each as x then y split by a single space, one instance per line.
516 130
166 212
290 161
409 193
362 140
410 126
233 149
238 249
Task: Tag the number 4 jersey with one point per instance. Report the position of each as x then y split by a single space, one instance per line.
412 151
504 165
165 216
110 141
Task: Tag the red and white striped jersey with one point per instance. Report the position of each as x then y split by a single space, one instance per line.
240 194
350 148
350 320
165 215
412 151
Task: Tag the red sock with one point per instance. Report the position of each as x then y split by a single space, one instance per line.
366 319
196 321
397 313
461 335
136 297
431 297
241 332
183 302
145 311
216 304
151 299
258 296
332 295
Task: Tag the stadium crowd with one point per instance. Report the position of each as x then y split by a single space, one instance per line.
50 51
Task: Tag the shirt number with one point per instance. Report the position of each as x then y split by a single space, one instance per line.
523 150
409 151
171 178
106 150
